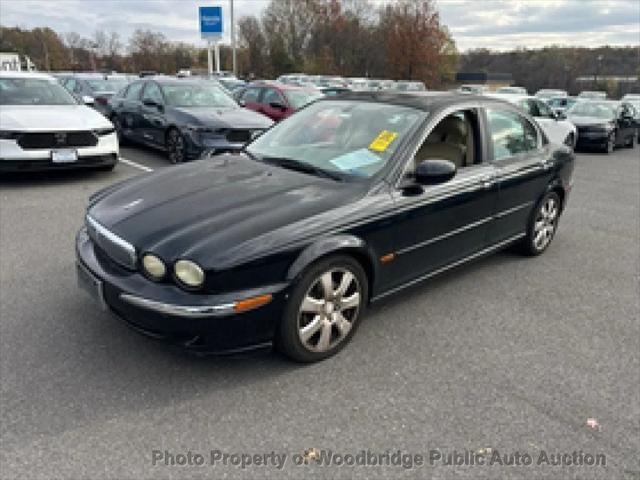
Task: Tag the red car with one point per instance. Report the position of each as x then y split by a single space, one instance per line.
276 100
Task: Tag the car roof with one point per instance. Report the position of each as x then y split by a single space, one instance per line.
427 100
12 74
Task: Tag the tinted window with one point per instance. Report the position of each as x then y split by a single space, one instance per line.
251 95
152 92
133 92
511 134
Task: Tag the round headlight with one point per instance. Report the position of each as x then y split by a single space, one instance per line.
189 273
153 266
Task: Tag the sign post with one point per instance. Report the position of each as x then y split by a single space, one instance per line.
211 30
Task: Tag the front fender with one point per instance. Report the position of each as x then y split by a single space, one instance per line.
334 244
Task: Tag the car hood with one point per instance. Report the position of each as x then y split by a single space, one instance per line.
227 117
215 211
580 121
39 118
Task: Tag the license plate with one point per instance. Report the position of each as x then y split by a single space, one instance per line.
64 156
90 284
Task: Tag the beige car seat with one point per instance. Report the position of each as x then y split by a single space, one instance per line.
448 141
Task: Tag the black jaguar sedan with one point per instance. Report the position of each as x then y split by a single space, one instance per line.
349 200
183 117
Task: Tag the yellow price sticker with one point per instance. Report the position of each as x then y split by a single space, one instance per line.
382 141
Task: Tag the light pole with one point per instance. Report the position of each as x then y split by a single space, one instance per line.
233 41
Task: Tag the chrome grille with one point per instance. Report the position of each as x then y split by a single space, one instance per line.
117 249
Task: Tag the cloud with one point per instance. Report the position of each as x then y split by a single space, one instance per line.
496 24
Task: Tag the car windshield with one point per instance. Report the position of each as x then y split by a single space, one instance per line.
198 95
300 98
109 85
602 110
33 91
353 139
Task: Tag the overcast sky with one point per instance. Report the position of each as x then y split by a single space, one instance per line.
496 24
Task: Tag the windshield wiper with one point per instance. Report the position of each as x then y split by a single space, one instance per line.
303 167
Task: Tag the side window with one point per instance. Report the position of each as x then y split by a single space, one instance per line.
271 96
70 84
511 134
152 92
544 110
133 92
251 95
454 138
527 106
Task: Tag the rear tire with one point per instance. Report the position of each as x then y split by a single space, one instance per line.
632 141
323 310
542 226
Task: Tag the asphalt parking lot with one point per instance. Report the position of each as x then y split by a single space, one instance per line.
510 354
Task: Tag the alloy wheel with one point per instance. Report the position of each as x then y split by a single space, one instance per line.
175 147
329 310
545 223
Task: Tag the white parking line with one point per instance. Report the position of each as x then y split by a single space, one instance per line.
136 164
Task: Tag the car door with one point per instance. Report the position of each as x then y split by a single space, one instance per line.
439 225
273 104
126 109
152 114
523 163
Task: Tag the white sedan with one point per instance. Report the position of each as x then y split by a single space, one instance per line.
43 127
556 127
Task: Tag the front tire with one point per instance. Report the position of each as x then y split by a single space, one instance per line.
542 225
611 143
175 146
324 309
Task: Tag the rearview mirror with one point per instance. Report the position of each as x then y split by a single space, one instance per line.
433 172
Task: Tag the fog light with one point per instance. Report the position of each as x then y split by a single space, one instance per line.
189 273
154 266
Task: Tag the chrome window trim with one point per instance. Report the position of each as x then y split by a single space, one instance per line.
440 270
112 237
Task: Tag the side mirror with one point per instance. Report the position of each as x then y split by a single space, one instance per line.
242 103
87 100
433 172
277 106
561 116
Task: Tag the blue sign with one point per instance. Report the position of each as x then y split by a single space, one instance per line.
211 22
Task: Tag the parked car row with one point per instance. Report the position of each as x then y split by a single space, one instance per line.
358 84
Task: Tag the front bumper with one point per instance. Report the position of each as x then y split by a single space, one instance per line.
14 158
197 322
592 139
198 145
